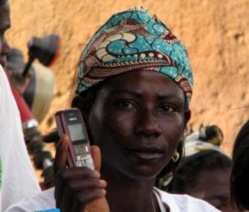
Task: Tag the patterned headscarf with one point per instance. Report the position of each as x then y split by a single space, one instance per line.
133 40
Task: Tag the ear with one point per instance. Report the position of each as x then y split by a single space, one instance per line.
187 116
83 105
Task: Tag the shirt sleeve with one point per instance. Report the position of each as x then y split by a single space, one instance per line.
17 177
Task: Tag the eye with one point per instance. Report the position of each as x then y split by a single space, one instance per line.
167 108
125 104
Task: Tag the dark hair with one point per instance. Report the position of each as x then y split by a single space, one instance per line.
240 170
3 2
187 173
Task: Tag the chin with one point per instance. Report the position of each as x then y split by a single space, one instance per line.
142 173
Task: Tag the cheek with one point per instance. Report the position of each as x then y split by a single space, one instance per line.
122 125
109 125
173 126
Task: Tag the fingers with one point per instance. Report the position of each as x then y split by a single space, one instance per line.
85 185
92 197
75 176
77 187
60 164
76 180
83 193
96 155
61 154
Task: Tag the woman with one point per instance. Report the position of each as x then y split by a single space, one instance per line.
17 177
204 170
240 173
134 87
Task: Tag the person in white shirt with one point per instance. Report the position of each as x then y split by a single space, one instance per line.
204 171
17 177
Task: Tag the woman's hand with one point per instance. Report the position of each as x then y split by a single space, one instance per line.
78 189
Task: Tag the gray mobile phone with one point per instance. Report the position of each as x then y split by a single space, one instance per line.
71 123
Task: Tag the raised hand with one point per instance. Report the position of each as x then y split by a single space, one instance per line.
78 189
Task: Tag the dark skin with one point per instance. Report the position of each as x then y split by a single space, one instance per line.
139 118
213 187
4 26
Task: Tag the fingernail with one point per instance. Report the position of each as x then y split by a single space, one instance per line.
103 191
103 182
96 174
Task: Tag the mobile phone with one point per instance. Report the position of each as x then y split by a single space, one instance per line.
71 123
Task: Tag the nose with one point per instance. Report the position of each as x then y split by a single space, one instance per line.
147 125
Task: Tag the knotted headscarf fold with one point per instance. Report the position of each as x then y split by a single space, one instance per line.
130 41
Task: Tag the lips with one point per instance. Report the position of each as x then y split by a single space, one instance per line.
147 154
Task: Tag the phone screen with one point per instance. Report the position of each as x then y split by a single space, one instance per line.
76 133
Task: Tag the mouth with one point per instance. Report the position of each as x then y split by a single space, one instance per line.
148 154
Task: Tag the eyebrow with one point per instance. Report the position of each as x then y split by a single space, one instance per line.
137 94
126 91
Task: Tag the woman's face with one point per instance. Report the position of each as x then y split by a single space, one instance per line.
137 121
214 187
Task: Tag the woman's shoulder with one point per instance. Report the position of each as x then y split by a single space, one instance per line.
182 202
41 201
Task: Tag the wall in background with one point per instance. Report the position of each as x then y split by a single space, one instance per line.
215 33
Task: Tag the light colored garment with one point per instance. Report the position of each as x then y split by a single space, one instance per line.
182 203
176 203
17 177
39 202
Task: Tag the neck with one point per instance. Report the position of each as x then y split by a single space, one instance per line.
128 194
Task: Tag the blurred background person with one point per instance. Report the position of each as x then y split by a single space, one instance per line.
33 93
204 170
240 170
17 178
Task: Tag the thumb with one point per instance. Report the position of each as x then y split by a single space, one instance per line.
60 161
96 155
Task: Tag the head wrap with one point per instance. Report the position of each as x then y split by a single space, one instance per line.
133 40
203 142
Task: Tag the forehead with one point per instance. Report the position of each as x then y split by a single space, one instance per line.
4 16
144 80
215 182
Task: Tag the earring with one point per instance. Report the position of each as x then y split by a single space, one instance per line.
176 156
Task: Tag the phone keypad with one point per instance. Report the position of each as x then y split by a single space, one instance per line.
83 156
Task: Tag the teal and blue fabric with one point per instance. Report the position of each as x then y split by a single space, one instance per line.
133 40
